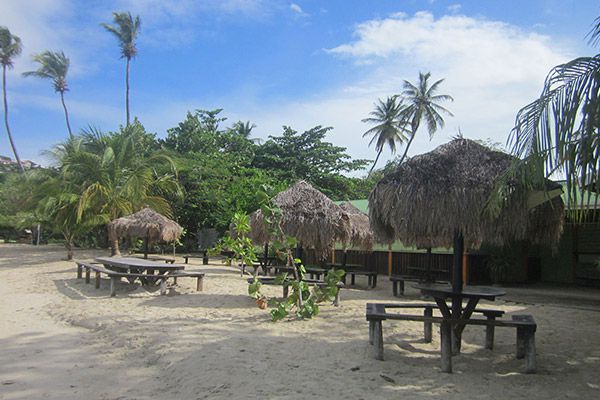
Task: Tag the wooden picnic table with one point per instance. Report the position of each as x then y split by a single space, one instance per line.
472 294
134 265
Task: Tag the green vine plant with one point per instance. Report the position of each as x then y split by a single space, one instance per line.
237 242
302 301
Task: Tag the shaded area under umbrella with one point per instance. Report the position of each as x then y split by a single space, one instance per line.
147 224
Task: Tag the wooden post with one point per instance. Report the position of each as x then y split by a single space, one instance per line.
428 312
333 255
378 340
389 259
489 333
465 267
457 286
445 338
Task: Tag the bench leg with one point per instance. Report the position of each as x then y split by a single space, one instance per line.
378 340
199 284
521 343
374 281
395 288
352 279
489 333
371 331
79 271
163 286
97 279
113 286
428 312
446 346
285 291
87 275
401 288
530 353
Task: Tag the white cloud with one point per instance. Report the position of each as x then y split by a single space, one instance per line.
454 8
298 10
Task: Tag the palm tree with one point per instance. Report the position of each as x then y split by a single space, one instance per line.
243 128
54 65
10 47
560 130
389 129
126 30
422 105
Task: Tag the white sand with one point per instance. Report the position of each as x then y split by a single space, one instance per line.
63 339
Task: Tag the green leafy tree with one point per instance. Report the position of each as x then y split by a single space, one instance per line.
422 105
293 156
559 131
126 29
389 128
10 47
115 175
54 65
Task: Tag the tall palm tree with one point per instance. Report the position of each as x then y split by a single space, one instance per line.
10 47
559 131
390 128
54 65
422 105
126 30
243 128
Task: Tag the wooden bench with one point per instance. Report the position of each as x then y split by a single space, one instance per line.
203 256
116 276
398 282
271 280
524 324
371 277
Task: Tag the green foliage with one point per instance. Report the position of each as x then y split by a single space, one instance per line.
254 289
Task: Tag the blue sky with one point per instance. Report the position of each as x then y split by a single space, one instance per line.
297 63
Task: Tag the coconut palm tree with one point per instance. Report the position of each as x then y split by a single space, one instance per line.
559 131
126 30
10 47
54 65
389 129
243 128
422 105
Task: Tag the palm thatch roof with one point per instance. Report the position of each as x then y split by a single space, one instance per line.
308 215
145 223
432 196
361 234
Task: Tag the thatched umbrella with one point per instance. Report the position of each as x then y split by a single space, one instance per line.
147 224
361 234
308 215
438 199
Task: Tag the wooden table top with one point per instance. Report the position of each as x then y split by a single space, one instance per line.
445 291
129 262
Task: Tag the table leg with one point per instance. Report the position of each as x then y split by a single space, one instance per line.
446 346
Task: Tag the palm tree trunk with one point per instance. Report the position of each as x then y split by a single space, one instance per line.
62 100
10 139
414 126
376 159
127 89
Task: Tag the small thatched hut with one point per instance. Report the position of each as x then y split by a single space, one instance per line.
437 198
361 235
308 215
147 224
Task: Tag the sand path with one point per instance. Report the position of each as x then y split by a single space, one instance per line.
63 339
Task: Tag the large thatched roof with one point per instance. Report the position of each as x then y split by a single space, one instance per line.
432 195
145 223
309 216
361 234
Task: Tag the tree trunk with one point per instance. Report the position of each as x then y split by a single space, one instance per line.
414 127
115 248
127 89
62 100
10 139
69 247
374 163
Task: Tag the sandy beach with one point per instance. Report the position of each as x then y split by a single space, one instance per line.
63 339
